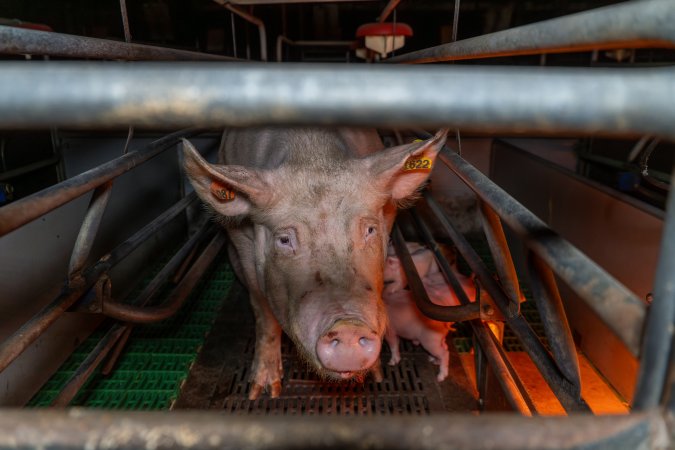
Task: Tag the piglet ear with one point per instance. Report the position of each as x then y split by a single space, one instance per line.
230 190
403 169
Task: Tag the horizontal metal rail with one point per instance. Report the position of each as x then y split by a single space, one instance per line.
21 41
617 306
122 430
19 341
281 40
637 24
40 94
29 208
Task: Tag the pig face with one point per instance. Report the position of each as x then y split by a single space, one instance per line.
318 230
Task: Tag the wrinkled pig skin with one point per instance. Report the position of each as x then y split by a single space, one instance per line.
408 322
308 223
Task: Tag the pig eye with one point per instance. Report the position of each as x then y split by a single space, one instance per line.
370 231
286 241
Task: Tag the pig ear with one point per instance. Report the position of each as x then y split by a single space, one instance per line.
230 190
403 169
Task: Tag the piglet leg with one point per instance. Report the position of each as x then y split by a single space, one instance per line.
392 340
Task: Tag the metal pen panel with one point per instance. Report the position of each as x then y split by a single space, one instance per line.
637 24
473 98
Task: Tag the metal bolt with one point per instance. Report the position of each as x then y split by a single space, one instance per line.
488 310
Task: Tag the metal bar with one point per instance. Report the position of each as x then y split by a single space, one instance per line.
15 344
28 168
20 41
150 314
30 208
211 94
125 21
533 346
122 430
554 319
507 377
501 255
619 308
252 19
86 369
657 345
117 336
637 24
89 228
281 39
388 10
426 306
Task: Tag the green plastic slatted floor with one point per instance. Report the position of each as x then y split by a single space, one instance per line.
157 358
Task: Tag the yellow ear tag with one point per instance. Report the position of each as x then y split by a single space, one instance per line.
418 163
222 192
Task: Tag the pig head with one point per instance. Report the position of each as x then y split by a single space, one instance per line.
308 213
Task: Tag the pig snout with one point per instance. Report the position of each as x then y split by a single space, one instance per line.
348 347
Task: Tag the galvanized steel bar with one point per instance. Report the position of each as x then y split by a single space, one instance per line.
618 307
658 356
21 41
426 306
39 94
511 385
553 318
636 24
29 208
197 430
561 387
19 341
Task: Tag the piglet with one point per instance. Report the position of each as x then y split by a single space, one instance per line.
394 276
408 322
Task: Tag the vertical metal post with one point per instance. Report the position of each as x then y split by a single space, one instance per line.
125 21
255 21
657 344
554 319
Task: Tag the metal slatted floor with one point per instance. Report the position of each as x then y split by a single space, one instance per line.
219 378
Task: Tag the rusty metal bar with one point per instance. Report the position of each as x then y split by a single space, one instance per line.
117 336
658 356
197 430
15 344
507 377
391 6
89 228
501 255
618 307
560 386
637 24
87 367
29 208
21 41
251 19
553 318
490 99
149 314
426 306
